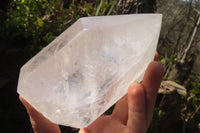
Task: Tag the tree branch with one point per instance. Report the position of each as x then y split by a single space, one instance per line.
191 39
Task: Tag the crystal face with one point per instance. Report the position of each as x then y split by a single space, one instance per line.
89 67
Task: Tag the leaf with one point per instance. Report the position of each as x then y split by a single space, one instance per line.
98 8
40 22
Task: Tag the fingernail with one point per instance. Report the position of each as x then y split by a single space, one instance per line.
135 84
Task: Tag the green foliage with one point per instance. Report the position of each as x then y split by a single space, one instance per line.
30 19
158 115
166 60
49 37
167 63
191 108
99 7
29 16
38 22
105 7
164 78
194 91
112 7
177 81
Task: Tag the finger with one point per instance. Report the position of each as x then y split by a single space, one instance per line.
120 111
156 56
136 109
82 130
39 123
151 83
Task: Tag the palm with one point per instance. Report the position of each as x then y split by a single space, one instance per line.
105 124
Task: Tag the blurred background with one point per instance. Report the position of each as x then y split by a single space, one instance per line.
26 26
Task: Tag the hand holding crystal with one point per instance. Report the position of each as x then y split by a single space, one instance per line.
132 113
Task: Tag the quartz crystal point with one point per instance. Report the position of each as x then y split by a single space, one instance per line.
89 67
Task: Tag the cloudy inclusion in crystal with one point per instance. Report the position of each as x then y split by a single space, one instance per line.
89 67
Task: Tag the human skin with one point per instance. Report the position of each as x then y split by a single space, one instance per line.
132 113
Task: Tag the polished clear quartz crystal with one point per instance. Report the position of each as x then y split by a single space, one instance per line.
89 67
